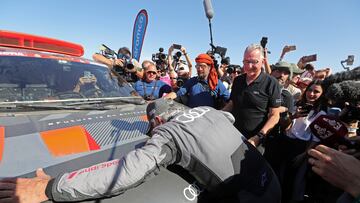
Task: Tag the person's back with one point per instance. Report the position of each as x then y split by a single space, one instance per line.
219 157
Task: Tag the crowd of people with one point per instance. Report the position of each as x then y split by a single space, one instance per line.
293 129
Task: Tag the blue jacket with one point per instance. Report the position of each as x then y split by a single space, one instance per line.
158 92
199 93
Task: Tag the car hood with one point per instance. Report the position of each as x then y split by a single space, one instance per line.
68 140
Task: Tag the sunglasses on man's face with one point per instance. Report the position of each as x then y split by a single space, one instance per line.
151 72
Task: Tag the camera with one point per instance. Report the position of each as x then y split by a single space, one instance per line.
127 61
181 81
107 52
111 54
263 42
149 97
177 56
306 108
225 60
221 51
159 58
233 68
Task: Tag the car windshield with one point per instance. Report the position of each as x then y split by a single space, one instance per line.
37 79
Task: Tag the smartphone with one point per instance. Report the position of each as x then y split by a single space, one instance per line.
310 58
350 60
177 46
292 48
263 42
87 74
306 108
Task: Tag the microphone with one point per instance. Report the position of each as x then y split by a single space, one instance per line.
330 130
208 9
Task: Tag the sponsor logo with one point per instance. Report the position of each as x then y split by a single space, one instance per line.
191 192
192 114
94 168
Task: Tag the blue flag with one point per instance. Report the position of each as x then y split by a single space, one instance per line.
140 24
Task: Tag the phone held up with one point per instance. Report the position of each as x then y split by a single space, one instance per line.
177 46
309 58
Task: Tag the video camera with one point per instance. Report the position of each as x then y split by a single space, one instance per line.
111 54
232 68
107 52
177 56
221 51
159 59
263 43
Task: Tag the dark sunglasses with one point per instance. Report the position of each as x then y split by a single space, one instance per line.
151 72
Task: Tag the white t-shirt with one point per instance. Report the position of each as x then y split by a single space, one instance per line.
300 128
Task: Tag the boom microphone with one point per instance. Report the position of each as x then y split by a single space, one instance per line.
208 9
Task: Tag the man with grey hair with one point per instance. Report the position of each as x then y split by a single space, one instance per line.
202 140
255 98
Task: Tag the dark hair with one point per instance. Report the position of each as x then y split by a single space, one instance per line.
320 102
124 49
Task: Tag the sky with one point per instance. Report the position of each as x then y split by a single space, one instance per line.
327 28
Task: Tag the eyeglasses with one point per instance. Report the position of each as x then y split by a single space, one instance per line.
254 62
201 66
151 72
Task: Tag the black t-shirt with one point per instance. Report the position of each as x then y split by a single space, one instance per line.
251 103
288 102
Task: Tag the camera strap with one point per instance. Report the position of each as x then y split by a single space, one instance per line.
214 93
153 90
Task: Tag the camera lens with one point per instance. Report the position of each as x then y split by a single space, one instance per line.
162 56
129 66
178 54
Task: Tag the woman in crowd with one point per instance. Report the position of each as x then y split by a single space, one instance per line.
299 138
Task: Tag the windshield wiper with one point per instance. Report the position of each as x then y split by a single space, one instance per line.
130 100
55 107
73 104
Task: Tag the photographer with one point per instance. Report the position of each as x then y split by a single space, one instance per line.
175 64
231 72
160 59
120 63
183 75
87 86
150 88
222 70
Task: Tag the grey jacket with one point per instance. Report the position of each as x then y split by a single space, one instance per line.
202 140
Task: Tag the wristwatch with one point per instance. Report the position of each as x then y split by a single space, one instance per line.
261 136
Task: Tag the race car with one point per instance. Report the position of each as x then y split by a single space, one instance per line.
62 112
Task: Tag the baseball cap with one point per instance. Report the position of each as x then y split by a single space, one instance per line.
283 66
296 69
161 106
183 69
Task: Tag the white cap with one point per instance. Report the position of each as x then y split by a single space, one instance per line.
182 69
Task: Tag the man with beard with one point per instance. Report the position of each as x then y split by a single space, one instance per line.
255 98
205 89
